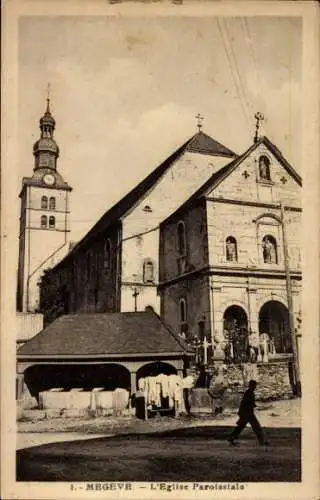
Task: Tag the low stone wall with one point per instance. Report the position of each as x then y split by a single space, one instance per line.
202 403
274 381
272 377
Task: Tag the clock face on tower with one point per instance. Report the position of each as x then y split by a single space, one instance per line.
48 179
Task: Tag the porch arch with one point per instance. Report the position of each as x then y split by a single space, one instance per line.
235 328
274 320
87 376
155 368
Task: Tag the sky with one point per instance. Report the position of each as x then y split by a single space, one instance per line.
125 92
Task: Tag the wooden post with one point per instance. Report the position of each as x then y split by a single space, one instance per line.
290 307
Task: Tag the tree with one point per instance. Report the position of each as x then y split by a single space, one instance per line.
52 298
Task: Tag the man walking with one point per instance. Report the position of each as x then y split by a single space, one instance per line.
246 415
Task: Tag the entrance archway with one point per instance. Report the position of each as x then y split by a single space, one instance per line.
155 368
274 320
235 326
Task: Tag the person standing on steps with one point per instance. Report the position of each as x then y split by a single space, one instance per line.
246 415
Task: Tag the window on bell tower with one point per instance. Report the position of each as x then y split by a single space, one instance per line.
44 202
44 221
52 203
52 222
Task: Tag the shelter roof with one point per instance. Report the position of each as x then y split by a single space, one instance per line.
99 335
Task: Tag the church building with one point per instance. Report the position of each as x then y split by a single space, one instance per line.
207 244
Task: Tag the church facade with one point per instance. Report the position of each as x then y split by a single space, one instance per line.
230 263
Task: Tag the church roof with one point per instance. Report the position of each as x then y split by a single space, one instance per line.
105 335
199 143
204 144
225 171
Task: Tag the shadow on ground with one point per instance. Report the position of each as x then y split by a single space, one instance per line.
188 454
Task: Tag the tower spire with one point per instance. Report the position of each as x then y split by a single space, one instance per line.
46 150
48 99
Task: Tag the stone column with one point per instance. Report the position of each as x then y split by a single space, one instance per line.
180 372
133 379
217 336
20 385
253 319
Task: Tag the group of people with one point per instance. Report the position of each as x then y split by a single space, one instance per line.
241 347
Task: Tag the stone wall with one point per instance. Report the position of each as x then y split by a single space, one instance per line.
273 380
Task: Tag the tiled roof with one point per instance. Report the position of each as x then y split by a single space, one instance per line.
104 335
203 143
199 143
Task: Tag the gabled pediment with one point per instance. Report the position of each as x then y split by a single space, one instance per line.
261 174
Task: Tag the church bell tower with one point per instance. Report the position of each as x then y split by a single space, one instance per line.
44 216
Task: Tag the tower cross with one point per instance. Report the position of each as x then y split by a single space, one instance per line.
48 91
259 117
199 118
48 97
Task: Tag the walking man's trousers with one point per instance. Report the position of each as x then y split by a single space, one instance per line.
256 427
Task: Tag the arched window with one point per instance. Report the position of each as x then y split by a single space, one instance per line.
52 222
181 237
183 316
107 255
88 265
264 168
74 271
231 249
44 202
52 203
269 249
44 222
148 271
181 247
183 311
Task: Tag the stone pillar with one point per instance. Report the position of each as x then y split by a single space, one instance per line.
20 385
253 319
217 324
133 379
